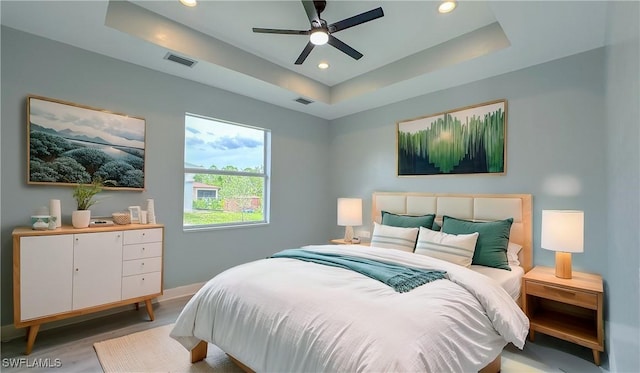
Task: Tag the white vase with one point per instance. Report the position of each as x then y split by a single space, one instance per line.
81 218
54 211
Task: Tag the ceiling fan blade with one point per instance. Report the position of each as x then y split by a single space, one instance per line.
356 20
305 53
278 31
344 47
312 13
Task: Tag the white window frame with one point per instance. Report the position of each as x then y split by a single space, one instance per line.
266 175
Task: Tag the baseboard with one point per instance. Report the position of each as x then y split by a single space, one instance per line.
9 332
179 292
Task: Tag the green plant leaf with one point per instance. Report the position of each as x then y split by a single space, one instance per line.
84 193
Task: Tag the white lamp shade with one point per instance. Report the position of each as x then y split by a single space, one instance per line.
349 211
563 230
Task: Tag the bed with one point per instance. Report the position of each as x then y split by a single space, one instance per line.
282 314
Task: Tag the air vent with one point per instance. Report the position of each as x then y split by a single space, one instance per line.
181 60
303 101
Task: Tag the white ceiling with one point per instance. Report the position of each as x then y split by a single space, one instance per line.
410 51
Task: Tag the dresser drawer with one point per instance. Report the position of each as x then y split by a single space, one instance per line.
140 266
564 295
141 285
143 250
142 236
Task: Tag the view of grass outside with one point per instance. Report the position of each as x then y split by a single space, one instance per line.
220 217
238 198
235 193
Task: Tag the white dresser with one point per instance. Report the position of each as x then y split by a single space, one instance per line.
69 272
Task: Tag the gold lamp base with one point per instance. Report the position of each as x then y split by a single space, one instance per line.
563 264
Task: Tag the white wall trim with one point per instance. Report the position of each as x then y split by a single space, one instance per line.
179 292
9 332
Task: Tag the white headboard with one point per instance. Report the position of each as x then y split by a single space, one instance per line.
476 207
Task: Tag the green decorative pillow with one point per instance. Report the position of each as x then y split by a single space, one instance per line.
491 247
407 221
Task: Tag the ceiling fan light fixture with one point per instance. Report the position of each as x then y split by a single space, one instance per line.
189 3
447 6
319 37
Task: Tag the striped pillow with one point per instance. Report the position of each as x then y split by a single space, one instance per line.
397 238
457 249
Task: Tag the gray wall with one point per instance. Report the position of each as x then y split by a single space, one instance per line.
299 186
569 125
555 146
623 194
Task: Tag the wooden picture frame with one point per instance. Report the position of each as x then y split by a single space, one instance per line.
69 144
468 140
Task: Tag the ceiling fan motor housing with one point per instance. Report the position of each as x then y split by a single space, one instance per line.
319 5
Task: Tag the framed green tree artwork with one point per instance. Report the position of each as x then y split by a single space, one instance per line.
70 144
469 140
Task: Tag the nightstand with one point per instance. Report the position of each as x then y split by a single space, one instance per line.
569 309
341 241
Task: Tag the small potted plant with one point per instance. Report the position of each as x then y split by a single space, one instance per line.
83 194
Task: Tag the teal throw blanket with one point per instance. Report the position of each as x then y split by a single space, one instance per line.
399 277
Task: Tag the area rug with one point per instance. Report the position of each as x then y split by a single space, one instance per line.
517 363
154 351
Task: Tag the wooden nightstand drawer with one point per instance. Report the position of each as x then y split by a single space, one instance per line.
570 296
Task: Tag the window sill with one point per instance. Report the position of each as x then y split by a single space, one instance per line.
200 228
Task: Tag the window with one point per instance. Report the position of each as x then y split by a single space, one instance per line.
207 194
226 173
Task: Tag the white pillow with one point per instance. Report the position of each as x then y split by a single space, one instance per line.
512 253
397 238
457 249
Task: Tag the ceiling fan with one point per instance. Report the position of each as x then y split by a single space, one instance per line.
321 33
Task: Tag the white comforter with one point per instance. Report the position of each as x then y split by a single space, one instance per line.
287 315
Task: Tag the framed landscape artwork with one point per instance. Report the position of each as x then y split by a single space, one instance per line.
469 140
70 144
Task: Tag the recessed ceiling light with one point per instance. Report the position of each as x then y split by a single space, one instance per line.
447 6
323 65
189 2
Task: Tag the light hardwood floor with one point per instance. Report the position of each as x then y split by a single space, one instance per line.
73 344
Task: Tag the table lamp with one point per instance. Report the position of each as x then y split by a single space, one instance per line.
349 214
563 232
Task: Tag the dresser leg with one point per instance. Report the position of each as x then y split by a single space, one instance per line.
31 337
532 335
596 357
147 303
